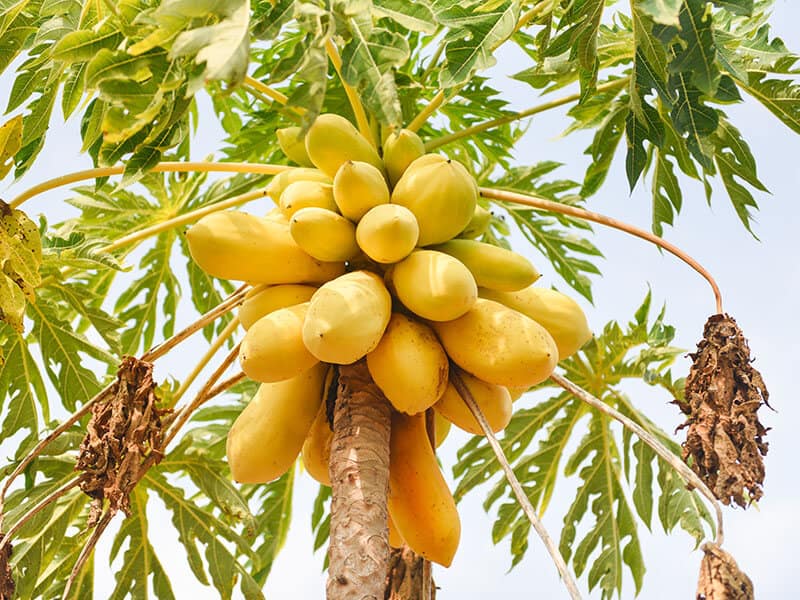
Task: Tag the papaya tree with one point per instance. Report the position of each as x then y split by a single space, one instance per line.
363 260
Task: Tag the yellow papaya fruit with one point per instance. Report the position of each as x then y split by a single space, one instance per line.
387 233
332 140
441 428
282 180
493 400
262 300
493 267
442 195
478 224
347 317
395 539
293 143
499 345
433 285
305 194
559 314
409 365
273 350
358 187
276 214
241 246
400 149
316 451
324 234
420 503
516 392
266 437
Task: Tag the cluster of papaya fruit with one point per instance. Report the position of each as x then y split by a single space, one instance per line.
374 257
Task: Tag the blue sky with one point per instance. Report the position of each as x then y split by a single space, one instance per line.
760 283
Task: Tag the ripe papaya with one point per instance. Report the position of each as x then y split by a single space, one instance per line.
293 143
273 350
493 400
316 451
516 392
493 267
332 140
282 180
499 345
324 234
420 503
478 224
395 539
347 317
441 194
441 428
358 187
559 314
387 233
266 437
433 285
409 365
305 194
262 300
400 149
237 245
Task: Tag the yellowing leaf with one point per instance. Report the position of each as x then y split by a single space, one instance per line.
10 143
20 259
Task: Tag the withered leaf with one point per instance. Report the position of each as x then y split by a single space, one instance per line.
721 578
7 585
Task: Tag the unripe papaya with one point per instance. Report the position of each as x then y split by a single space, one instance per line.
493 400
493 267
317 447
273 350
262 300
282 180
409 365
387 233
559 314
293 144
478 224
347 317
433 285
266 437
499 345
305 194
400 149
442 196
332 140
420 503
237 245
358 187
324 234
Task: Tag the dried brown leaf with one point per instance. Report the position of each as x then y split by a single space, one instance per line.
7 585
123 439
725 439
721 578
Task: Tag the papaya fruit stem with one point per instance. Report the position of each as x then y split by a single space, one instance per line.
580 213
224 335
358 109
44 503
182 415
685 473
162 167
516 487
359 472
480 127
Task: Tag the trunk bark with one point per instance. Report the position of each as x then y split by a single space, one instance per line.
407 578
359 469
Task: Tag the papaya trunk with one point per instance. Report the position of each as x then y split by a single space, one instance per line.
359 470
407 578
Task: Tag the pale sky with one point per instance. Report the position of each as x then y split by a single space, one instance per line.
760 282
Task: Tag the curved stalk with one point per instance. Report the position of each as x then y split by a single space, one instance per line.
183 219
426 112
580 213
224 386
689 476
516 487
533 13
269 92
352 95
87 551
163 167
204 360
49 499
446 139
